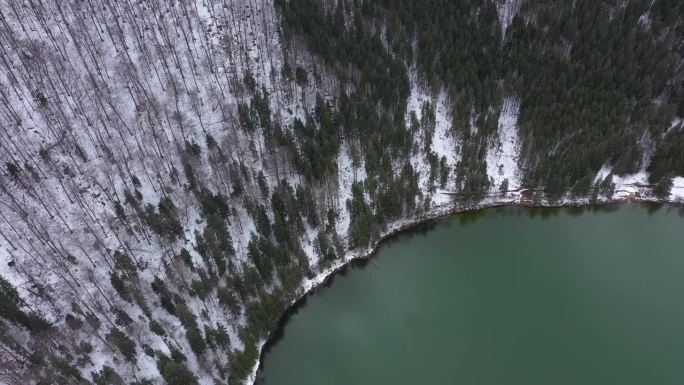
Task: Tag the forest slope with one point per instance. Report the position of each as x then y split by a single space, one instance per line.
175 173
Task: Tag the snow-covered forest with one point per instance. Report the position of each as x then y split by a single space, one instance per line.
175 173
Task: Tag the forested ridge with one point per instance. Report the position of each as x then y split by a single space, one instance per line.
174 173
599 82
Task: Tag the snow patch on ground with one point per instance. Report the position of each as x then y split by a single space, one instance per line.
347 175
503 154
507 10
626 186
444 142
414 104
677 192
675 124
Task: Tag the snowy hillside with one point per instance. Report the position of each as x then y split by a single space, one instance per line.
110 110
176 173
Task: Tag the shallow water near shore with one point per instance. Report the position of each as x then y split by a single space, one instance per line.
511 295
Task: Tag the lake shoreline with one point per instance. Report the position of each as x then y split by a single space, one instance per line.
402 227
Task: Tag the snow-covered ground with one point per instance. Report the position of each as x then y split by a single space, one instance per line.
634 185
677 192
507 10
503 154
443 142
348 174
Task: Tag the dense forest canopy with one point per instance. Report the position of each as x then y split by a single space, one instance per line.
599 82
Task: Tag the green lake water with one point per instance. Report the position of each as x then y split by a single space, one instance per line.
507 296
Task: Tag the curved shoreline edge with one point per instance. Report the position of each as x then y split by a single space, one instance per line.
401 226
